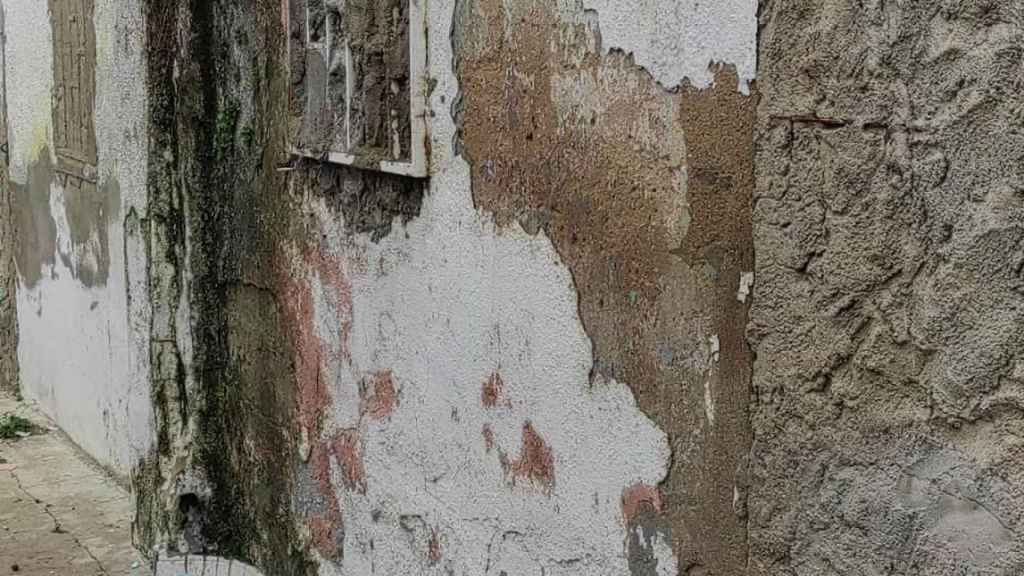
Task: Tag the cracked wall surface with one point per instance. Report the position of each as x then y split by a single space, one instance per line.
886 318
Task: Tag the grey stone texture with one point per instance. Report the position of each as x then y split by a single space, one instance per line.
888 315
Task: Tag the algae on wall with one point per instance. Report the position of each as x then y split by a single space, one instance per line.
218 480
222 222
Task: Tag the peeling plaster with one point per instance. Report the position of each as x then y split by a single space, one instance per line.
645 194
677 39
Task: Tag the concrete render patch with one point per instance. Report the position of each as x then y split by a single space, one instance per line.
681 39
888 318
36 237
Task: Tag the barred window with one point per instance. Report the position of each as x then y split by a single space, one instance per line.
358 87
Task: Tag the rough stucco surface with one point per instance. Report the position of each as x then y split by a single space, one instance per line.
81 349
679 39
887 317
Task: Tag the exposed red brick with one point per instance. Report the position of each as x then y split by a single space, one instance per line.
296 300
323 526
379 396
491 391
349 453
322 531
333 275
638 495
535 462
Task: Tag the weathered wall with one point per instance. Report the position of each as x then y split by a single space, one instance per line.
536 361
887 317
77 177
8 272
533 362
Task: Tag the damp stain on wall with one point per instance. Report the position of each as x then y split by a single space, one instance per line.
36 240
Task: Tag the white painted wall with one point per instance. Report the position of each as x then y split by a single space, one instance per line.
82 351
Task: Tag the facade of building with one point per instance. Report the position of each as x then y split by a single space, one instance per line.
528 287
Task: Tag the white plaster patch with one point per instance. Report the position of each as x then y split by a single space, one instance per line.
709 402
28 82
746 283
662 550
121 144
676 39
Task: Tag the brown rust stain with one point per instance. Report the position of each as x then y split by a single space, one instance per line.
491 391
719 124
638 495
536 463
333 275
349 453
324 525
296 299
295 295
379 397
434 548
646 195
488 437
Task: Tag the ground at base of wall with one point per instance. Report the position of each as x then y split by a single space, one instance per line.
59 513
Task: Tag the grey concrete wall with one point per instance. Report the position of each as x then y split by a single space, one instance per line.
887 309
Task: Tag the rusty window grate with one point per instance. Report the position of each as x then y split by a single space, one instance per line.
358 72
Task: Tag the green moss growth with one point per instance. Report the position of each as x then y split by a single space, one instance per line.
248 136
14 426
227 123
